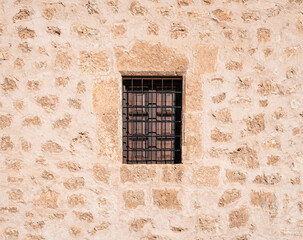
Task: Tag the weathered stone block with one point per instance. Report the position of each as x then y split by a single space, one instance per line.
71 166
76 199
238 218
25 33
194 94
53 30
94 61
74 103
255 124
265 200
14 164
207 223
223 115
118 30
137 174
48 102
146 57
15 194
250 16
106 97
218 136
138 223
9 84
34 225
63 122
35 121
84 216
6 144
5 121
101 173
173 174
234 65
137 9
229 196
84 31
222 15
182 3
206 176
205 59
74 183
166 199
219 98
263 34
48 199
61 81
152 29
133 199
10 233
268 179
178 30
51 147
63 59
244 156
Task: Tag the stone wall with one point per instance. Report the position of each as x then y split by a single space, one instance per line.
61 173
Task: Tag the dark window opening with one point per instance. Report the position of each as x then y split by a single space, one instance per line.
152 108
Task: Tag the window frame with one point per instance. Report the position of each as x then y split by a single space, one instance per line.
176 121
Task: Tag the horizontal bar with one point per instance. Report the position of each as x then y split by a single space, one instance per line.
148 92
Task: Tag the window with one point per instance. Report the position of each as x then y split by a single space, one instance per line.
152 108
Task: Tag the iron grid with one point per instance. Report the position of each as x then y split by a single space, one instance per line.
152 108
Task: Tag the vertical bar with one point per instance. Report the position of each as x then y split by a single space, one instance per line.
161 120
151 119
136 128
132 123
172 120
127 124
165 120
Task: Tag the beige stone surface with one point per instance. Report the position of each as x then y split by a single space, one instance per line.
61 171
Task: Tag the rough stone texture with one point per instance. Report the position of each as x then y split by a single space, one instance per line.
6 144
268 179
9 84
244 156
48 199
49 102
100 173
228 197
62 175
166 199
145 56
238 218
235 176
5 121
133 199
51 147
173 174
74 183
93 62
137 224
137 174
267 201
218 136
31 121
255 124
206 59
223 115
207 223
206 176
63 59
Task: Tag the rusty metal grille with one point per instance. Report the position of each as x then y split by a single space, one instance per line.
152 109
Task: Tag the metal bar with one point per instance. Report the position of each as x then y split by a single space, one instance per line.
152 127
